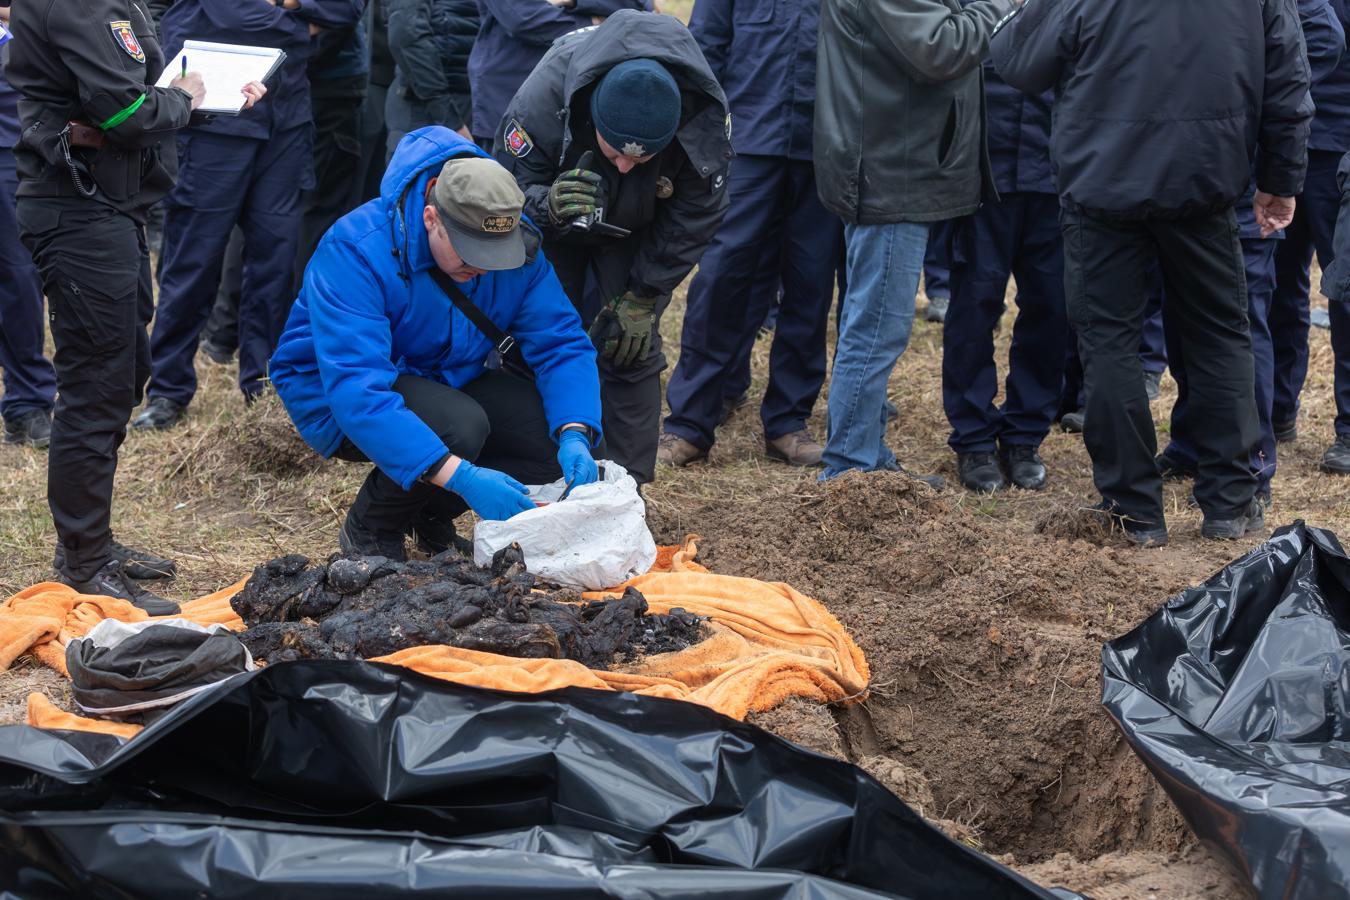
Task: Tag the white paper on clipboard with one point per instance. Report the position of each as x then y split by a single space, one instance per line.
225 69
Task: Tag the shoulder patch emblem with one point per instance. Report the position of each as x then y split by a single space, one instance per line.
126 39
517 141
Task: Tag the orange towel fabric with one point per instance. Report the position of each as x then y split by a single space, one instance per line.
768 643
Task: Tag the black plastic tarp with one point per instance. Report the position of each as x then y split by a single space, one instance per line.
348 779
1235 694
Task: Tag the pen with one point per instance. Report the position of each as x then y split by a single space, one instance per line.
184 65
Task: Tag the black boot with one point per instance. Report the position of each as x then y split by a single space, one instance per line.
1337 458
135 563
112 581
1285 432
32 428
356 539
1232 529
979 472
1172 469
160 414
1143 534
433 534
1072 422
1024 466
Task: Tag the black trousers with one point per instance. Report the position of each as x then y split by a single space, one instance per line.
337 106
95 270
630 399
1106 266
496 421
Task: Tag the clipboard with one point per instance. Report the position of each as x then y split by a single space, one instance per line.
225 68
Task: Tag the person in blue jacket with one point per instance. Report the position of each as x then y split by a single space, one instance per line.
247 169
1018 235
513 35
377 363
766 63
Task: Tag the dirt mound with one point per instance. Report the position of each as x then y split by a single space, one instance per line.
261 441
984 640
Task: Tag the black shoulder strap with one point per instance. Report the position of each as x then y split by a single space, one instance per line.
502 341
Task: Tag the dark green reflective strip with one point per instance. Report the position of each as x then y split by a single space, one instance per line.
114 121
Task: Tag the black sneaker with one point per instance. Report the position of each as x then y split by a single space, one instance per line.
1024 466
1152 385
112 581
1232 529
160 414
1337 458
217 353
979 472
433 536
1285 432
136 564
32 428
1172 469
1072 422
1142 534
356 539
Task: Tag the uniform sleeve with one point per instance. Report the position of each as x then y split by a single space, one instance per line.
535 166
332 13
113 92
535 21
607 8
1030 53
255 17
683 228
1323 35
1336 278
353 345
1287 108
710 24
412 41
933 42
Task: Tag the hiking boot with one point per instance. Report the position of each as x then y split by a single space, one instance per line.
1072 422
1172 469
1232 529
217 353
160 414
32 428
673 450
113 581
1024 465
356 539
979 472
1285 432
1141 534
136 564
937 309
1319 317
1152 385
434 536
1337 458
795 449
936 482
732 405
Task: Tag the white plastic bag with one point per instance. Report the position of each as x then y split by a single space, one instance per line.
596 538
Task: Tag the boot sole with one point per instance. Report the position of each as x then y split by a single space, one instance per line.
39 444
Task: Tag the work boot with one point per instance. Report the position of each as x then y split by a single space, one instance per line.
1152 385
1072 422
1172 469
1285 432
32 428
356 539
217 353
112 581
135 563
732 405
1337 458
936 482
160 414
1024 466
979 472
1142 534
673 450
937 309
1232 529
434 536
795 449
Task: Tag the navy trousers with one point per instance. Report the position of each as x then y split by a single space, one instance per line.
1313 229
30 382
1258 258
937 262
1153 348
222 180
1018 236
774 210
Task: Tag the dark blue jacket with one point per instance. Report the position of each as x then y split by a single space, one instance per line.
1161 108
369 312
262 25
1331 94
512 37
764 54
339 53
9 113
1018 133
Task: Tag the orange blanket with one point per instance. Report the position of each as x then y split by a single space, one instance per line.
768 643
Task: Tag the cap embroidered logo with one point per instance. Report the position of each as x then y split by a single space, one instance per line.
126 39
498 224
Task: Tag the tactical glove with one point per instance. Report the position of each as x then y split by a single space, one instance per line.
575 193
622 332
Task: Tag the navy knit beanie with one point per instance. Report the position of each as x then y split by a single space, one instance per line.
636 107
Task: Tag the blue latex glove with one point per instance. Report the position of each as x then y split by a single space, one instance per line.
491 494
574 455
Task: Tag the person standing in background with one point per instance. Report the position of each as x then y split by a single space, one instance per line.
373 130
430 41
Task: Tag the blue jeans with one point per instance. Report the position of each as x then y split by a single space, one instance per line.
884 262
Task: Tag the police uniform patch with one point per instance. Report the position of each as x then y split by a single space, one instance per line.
126 39
634 149
517 141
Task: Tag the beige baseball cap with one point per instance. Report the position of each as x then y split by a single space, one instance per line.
479 204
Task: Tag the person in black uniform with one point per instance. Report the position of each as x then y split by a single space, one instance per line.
96 153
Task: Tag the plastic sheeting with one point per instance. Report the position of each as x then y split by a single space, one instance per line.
336 780
1235 695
